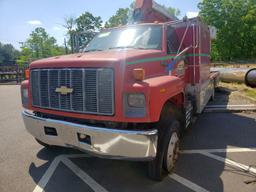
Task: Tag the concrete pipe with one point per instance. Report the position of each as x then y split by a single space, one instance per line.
231 75
250 78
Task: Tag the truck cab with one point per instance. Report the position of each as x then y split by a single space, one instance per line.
128 95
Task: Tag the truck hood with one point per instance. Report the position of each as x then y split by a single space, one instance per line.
95 59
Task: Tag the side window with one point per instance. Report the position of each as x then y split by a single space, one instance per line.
172 41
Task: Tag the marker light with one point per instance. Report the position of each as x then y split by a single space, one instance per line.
26 73
139 74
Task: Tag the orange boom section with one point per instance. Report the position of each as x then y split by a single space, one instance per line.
148 11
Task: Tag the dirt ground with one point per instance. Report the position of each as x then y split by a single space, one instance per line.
234 94
235 65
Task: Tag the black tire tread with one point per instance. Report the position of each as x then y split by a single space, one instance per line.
168 116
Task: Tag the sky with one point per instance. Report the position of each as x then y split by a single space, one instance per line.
18 18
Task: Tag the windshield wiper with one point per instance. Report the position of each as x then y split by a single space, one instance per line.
91 50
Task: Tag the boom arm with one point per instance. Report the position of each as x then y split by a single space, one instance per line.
148 11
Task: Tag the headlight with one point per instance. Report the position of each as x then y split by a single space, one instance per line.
136 100
24 96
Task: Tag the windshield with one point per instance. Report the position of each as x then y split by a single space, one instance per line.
136 37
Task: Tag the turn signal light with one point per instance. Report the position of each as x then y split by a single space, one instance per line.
26 73
139 74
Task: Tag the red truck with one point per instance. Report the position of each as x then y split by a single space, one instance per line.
129 94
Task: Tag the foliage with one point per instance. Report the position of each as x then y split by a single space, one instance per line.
120 18
42 45
70 25
236 24
83 29
86 27
39 45
8 54
25 58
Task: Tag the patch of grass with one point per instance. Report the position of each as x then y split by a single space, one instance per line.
241 88
232 86
235 65
251 93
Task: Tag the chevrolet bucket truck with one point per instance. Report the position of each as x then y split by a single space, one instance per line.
129 94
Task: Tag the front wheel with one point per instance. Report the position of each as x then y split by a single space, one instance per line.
167 152
172 152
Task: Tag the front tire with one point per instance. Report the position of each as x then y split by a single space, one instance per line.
172 152
168 145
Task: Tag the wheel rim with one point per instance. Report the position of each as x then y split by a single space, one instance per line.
172 152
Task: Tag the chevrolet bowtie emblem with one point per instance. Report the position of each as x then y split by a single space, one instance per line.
63 90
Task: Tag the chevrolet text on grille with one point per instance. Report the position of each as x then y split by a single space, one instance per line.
63 90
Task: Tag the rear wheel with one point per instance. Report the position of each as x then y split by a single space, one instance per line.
168 145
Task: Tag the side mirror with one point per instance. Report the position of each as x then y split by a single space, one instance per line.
250 78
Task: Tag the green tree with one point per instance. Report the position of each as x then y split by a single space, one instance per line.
87 25
25 58
42 45
39 45
236 24
8 54
120 18
70 25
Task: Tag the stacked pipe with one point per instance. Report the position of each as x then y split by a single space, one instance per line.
238 75
250 78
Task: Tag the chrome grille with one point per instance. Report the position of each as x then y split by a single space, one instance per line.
93 90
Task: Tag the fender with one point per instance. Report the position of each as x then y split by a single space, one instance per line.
24 84
161 90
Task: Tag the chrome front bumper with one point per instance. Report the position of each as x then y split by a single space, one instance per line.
103 142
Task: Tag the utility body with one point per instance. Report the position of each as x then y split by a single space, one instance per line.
129 94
